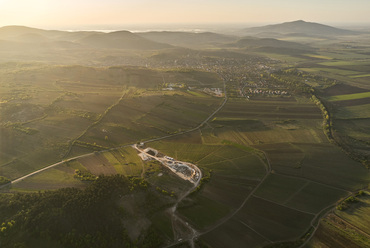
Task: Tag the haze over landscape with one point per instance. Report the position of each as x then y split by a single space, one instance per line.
204 124
54 14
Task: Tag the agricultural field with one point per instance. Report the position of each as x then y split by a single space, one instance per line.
234 233
232 174
268 218
261 161
358 213
350 112
123 161
54 178
354 112
345 228
150 115
287 142
264 122
333 232
74 110
349 97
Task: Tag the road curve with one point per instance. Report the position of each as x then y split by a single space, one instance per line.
146 141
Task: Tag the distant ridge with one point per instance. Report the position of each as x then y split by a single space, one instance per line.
187 39
296 28
121 40
271 45
252 42
46 38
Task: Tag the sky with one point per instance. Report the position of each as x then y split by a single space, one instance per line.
75 13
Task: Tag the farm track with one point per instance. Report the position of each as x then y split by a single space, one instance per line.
313 181
208 155
195 234
297 192
323 214
353 226
255 231
96 122
45 168
284 205
129 145
268 171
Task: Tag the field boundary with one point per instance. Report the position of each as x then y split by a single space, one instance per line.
115 148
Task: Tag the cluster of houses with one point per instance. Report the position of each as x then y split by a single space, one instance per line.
267 92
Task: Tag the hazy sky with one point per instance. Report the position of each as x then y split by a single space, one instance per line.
57 13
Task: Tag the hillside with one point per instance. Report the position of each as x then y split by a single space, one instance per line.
121 40
297 28
19 37
270 45
186 39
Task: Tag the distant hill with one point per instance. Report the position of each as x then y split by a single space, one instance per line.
190 54
121 40
270 45
31 37
21 36
12 32
189 40
297 28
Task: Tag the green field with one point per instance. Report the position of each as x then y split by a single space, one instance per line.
335 71
344 63
358 214
162 222
318 56
298 193
291 140
348 227
234 233
353 112
41 121
203 212
315 197
149 116
261 122
332 232
61 176
355 128
233 174
360 76
279 188
349 97
276 222
336 169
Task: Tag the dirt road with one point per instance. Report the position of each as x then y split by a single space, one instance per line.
150 140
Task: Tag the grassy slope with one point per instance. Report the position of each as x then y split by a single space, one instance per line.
349 96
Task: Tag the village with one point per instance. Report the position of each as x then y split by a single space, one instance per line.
266 92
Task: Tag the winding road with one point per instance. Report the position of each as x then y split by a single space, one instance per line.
181 236
147 141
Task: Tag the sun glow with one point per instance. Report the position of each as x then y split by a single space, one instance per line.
83 12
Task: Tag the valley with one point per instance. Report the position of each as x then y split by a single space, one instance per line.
187 139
